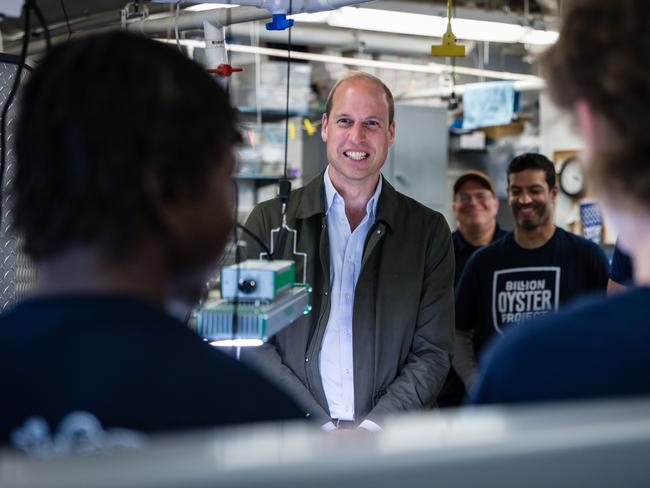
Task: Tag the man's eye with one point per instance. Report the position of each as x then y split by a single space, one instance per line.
372 124
344 122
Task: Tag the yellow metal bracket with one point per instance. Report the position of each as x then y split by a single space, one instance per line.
449 46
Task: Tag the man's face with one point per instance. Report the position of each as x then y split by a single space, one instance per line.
357 132
474 206
531 200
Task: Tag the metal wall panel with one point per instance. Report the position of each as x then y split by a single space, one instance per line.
417 165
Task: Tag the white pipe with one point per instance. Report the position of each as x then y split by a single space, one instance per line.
299 6
434 68
251 10
194 20
426 93
215 44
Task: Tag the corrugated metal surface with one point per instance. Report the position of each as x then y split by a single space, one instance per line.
16 271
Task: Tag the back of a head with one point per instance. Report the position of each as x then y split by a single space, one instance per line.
103 119
600 59
533 161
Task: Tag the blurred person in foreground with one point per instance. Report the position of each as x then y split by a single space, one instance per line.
123 196
598 347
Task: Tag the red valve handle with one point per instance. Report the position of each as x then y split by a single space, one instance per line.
225 70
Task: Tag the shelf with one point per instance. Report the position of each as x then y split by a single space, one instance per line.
249 114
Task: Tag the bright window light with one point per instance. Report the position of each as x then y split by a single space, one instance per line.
237 343
428 25
200 7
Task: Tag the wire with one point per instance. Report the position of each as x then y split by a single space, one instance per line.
257 239
178 39
10 98
67 20
235 305
286 119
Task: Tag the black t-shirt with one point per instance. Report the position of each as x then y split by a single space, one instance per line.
594 348
127 364
453 390
505 283
463 250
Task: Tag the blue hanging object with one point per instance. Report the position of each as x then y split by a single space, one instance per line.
279 22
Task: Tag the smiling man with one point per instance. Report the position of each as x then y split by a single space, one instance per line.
475 208
381 265
531 271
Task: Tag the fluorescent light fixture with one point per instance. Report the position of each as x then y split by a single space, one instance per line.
200 7
238 343
429 25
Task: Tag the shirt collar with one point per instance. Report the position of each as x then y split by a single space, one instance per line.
331 195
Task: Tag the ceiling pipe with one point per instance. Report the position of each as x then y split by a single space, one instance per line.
194 20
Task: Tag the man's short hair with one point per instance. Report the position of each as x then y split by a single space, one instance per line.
533 161
103 120
360 75
477 176
599 59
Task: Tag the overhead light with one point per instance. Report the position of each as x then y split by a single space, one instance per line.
237 343
200 7
429 25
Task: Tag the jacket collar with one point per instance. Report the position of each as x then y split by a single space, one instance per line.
313 202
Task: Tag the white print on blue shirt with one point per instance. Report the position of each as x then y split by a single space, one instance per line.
78 433
523 293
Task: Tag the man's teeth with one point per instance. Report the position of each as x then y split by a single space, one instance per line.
357 155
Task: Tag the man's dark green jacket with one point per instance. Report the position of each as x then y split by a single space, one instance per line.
403 316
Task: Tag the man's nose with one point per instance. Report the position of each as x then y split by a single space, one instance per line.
357 133
524 198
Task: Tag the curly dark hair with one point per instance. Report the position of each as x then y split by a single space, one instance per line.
599 58
534 161
102 118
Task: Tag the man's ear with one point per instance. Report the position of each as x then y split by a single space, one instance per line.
323 127
391 132
161 213
588 127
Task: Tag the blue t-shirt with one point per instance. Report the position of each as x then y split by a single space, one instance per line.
595 348
621 269
125 363
505 283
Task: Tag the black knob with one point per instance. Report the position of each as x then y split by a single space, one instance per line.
247 286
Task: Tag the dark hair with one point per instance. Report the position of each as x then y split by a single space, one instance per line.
534 161
599 59
356 75
104 119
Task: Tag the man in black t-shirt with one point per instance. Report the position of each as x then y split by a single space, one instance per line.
529 272
475 208
123 196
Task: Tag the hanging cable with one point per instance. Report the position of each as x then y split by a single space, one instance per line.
10 98
178 38
285 184
67 20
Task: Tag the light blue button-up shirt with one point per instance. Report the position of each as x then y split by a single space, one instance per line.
346 253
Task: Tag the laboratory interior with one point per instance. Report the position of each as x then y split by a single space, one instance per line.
324 243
